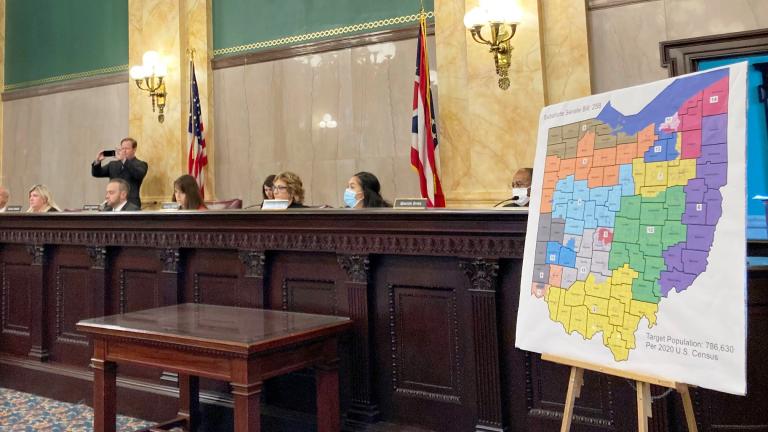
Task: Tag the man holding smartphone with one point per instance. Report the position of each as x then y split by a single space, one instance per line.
126 167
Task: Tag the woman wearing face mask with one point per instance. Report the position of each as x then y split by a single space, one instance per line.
364 191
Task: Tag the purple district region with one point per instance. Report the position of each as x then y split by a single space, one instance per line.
714 175
675 280
695 213
700 237
715 153
694 190
714 129
673 257
694 262
713 200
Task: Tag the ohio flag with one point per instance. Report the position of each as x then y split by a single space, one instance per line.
425 157
197 159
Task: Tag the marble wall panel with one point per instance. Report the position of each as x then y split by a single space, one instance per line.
624 38
566 51
692 18
624 45
52 139
268 119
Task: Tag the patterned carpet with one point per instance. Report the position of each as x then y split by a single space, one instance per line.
23 412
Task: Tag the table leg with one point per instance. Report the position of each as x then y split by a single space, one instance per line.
189 400
328 410
104 389
247 407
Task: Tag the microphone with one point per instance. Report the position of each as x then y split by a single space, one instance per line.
103 206
252 206
514 198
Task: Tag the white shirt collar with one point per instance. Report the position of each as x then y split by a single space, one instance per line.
120 207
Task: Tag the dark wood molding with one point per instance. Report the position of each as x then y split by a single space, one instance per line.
682 56
66 86
319 47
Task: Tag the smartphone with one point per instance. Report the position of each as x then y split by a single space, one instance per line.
109 153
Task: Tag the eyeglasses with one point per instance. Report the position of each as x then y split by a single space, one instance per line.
520 185
280 188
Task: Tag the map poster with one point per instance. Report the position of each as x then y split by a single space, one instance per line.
635 256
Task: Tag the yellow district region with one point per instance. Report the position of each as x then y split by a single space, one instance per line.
654 177
588 308
684 171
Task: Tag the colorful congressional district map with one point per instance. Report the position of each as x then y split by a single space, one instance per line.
629 209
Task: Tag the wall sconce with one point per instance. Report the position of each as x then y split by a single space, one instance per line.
494 23
149 77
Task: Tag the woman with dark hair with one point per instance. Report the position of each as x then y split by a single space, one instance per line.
187 193
266 189
364 191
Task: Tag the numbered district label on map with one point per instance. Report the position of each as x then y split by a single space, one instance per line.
635 256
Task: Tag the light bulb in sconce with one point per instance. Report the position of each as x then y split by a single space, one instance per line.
150 59
475 17
149 77
137 72
494 23
327 122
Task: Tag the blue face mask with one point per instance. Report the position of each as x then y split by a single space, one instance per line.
350 198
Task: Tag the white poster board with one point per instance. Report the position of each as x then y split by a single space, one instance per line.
635 256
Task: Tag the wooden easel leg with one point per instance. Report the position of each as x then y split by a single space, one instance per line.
644 401
574 391
690 417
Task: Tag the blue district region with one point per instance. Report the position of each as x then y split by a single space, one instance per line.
626 180
663 105
580 190
662 150
560 255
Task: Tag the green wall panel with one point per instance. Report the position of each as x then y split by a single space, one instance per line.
237 23
52 40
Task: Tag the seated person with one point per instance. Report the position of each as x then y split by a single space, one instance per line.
4 197
41 200
364 191
187 193
266 192
521 188
288 186
116 198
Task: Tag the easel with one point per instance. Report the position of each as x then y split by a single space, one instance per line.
643 382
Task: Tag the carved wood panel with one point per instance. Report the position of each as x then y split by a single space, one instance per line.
16 299
425 367
213 288
72 294
425 363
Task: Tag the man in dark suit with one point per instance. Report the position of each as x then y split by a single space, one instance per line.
116 198
126 167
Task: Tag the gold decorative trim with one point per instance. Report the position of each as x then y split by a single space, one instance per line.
72 76
322 34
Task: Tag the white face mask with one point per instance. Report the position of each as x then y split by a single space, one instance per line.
522 196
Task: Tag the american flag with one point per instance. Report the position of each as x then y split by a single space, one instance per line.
197 159
425 157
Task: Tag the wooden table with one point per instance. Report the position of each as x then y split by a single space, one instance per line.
239 345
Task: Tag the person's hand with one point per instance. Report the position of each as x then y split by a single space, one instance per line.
100 156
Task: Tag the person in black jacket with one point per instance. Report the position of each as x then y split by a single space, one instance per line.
116 197
126 167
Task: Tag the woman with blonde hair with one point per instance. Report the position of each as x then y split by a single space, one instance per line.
288 186
41 200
